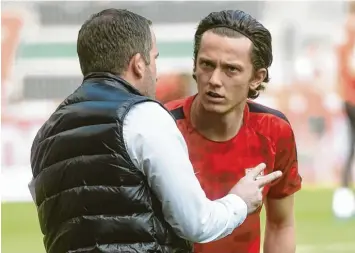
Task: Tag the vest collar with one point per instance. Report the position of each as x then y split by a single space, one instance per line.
111 79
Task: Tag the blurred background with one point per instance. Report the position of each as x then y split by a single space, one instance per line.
39 68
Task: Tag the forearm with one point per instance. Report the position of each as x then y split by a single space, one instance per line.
214 222
279 238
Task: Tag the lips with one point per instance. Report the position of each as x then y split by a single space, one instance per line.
214 95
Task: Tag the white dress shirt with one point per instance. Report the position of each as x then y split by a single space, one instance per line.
159 150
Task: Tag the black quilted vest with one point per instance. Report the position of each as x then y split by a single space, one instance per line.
89 195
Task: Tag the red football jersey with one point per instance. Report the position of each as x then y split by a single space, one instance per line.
265 136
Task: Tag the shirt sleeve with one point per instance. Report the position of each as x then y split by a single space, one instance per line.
286 161
158 149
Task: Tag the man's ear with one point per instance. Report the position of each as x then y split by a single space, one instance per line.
259 77
194 72
138 65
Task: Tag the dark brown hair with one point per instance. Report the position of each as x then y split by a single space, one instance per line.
236 23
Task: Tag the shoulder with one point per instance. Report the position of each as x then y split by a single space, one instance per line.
269 121
176 107
148 119
175 104
149 125
262 110
147 115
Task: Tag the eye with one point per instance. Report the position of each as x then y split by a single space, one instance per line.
232 69
206 64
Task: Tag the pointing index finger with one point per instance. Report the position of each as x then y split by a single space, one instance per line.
257 170
262 181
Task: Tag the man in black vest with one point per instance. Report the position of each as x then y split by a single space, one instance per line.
110 168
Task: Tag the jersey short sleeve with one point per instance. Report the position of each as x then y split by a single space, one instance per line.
287 162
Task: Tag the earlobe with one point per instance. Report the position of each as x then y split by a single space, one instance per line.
254 85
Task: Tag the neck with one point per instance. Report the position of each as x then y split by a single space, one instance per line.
134 82
129 78
215 126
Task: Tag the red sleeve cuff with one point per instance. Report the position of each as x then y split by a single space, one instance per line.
287 192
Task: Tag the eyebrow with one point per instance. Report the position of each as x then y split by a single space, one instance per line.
205 59
234 64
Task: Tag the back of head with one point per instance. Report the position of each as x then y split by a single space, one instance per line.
350 21
109 39
234 24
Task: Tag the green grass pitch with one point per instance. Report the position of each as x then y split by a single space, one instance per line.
317 230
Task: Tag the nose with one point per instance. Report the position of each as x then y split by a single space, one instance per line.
215 78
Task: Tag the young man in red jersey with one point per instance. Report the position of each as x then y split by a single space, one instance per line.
226 132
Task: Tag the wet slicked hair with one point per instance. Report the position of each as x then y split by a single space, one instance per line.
234 24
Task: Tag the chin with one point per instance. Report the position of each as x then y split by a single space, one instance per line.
215 108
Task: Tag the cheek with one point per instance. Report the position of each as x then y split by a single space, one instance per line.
202 77
237 87
153 67
201 80
154 70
